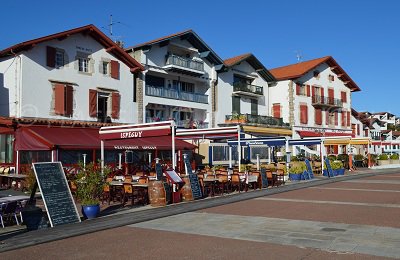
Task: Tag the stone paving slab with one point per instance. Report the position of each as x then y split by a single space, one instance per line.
118 220
363 239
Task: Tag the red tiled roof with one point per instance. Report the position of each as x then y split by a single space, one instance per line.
235 60
297 70
91 30
160 39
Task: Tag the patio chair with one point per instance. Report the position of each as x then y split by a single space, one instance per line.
223 183
8 211
236 182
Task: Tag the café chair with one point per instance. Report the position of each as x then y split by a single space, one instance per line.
236 182
9 210
223 183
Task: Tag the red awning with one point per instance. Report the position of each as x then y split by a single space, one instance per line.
6 130
319 134
48 138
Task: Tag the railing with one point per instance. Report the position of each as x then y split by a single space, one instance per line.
197 124
175 94
319 100
184 62
256 119
376 138
240 86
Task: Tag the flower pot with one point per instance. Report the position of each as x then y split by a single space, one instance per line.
33 218
383 162
305 176
394 161
295 176
340 171
335 172
90 211
325 172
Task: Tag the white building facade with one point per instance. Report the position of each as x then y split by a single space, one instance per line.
178 82
315 98
78 74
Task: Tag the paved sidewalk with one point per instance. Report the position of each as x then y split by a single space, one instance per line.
137 215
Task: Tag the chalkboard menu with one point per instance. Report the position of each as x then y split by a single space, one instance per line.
56 195
264 178
173 176
194 180
328 167
195 185
159 172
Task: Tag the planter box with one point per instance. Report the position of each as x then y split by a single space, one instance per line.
295 177
235 121
392 161
340 171
383 162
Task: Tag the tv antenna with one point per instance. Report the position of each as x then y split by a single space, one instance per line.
299 56
110 25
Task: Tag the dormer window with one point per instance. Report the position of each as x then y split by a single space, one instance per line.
316 74
331 78
59 59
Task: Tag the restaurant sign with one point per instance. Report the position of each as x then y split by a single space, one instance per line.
131 134
134 147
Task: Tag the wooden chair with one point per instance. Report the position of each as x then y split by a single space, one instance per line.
270 177
236 182
258 182
280 179
128 193
106 195
223 183
128 179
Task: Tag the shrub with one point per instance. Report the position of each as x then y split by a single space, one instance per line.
336 165
294 159
343 157
394 156
332 157
358 157
298 168
383 157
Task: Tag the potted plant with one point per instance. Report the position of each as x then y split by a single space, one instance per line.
296 171
90 183
383 159
337 167
394 159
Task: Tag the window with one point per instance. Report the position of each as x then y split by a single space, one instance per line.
183 86
301 90
63 100
235 105
154 81
154 115
343 96
104 67
59 58
331 77
83 65
254 106
104 105
6 148
316 73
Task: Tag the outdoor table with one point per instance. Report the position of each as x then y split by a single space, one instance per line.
13 198
18 178
211 182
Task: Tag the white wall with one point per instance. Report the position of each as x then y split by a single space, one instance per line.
37 88
9 85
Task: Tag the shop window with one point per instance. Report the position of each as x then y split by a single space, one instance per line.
6 148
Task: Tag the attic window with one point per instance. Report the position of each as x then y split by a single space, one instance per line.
316 73
331 78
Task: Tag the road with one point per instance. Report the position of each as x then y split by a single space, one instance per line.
353 219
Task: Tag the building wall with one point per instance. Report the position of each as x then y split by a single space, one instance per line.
10 85
37 92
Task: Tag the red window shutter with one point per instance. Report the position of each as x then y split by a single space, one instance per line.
348 118
115 105
335 149
297 89
92 103
366 132
313 91
308 90
59 106
331 93
343 118
358 129
51 56
318 116
276 110
69 100
303 114
336 118
343 96
115 69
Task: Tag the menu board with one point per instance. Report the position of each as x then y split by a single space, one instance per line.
264 179
173 176
159 172
56 195
194 181
195 185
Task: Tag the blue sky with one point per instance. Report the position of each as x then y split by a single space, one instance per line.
362 36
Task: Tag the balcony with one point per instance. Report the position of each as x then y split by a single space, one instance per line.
319 101
188 124
249 119
176 94
184 65
241 88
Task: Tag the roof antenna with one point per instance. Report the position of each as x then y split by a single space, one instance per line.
299 56
110 31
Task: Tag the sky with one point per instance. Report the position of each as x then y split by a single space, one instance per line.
362 36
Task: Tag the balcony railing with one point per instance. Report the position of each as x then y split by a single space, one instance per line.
185 62
326 101
255 119
243 87
175 94
194 124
